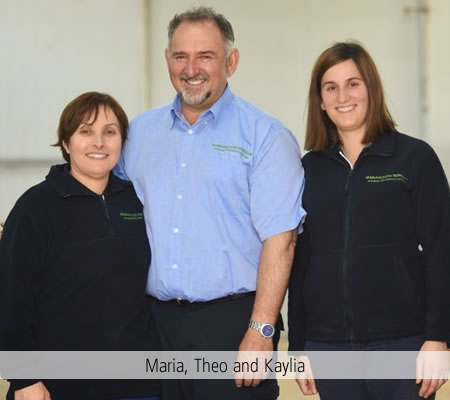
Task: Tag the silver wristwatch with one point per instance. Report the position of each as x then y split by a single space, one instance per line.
265 329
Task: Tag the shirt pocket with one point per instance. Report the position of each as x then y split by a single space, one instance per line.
223 184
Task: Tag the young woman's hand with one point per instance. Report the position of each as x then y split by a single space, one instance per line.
38 391
432 371
305 380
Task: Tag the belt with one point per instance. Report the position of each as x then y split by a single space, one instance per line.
224 299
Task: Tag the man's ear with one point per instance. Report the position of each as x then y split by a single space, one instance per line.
232 62
166 54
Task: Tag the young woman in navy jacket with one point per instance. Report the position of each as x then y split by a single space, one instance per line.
372 267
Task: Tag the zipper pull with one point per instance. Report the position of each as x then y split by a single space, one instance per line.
347 182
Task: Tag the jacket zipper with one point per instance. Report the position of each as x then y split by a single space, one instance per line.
345 263
107 214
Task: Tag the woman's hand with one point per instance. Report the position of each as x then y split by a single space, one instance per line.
2 225
432 370
34 392
305 380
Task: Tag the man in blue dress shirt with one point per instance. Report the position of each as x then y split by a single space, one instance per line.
221 183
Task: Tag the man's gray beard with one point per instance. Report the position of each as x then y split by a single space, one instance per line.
194 100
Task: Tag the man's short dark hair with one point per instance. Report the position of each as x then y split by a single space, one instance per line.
201 14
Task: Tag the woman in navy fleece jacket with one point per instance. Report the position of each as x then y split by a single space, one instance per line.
74 258
372 268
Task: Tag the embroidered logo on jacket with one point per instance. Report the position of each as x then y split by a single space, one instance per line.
132 216
386 178
234 149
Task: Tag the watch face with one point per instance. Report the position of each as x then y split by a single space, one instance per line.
267 330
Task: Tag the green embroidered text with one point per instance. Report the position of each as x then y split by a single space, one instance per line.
235 149
132 216
386 178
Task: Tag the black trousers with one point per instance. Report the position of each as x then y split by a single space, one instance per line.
208 327
369 389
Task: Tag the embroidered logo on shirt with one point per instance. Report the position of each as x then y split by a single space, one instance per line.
234 149
386 178
132 216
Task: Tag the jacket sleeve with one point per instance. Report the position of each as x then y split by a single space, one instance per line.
296 308
22 253
432 208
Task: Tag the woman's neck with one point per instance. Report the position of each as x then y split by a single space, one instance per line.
98 186
351 145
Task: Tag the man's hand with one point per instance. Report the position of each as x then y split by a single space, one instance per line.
2 225
273 274
432 371
254 342
34 392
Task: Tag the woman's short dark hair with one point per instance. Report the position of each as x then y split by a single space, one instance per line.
321 132
81 110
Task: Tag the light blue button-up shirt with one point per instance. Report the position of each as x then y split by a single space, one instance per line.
212 193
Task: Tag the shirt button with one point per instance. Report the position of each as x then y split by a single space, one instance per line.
190 131
179 197
176 230
183 164
174 266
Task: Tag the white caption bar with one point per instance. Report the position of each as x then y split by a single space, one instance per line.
222 365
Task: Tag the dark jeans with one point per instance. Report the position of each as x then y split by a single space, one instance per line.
369 389
208 327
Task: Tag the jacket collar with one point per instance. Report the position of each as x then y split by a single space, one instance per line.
66 185
383 146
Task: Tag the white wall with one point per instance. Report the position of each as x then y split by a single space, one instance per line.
52 51
438 78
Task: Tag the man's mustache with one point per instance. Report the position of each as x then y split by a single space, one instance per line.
185 77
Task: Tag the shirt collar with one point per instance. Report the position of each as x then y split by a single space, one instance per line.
215 110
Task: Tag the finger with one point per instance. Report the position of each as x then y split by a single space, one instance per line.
428 386
432 387
424 387
256 382
312 384
304 386
419 370
441 383
238 382
248 380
